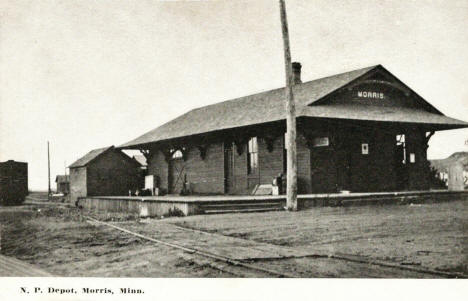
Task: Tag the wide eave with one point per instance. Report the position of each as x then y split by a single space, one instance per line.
269 106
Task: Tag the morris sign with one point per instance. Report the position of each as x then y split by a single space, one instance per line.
370 94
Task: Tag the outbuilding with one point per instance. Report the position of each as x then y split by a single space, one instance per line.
63 184
359 131
13 182
104 172
453 170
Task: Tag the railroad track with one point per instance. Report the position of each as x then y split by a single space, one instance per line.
251 266
207 254
249 263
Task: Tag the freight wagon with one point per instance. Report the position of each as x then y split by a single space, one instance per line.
13 182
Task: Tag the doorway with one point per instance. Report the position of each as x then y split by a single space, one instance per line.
323 171
401 170
176 173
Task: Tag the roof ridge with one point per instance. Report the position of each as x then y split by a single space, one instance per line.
90 156
280 88
267 107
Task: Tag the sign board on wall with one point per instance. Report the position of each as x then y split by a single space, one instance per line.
365 148
370 94
320 141
149 182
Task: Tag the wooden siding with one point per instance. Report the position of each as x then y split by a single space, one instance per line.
339 166
63 188
111 174
77 183
13 182
418 172
303 166
240 171
270 163
206 176
373 171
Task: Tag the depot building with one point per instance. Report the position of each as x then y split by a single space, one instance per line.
359 131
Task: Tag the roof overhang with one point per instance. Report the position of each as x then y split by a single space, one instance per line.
382 114
388 116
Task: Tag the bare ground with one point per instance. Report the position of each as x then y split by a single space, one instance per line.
433 236
60 241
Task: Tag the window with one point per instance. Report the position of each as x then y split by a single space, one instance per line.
252 157
401 148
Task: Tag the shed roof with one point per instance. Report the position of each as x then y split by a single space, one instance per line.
62 179
86 159
269 107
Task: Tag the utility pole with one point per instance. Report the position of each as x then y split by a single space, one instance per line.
48 170
291 167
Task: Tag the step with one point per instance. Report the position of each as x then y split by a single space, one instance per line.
219 211
239 207
250 201
206 206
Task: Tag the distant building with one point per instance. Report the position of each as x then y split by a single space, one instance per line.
13 182
63 184
363 130
453 170
104 172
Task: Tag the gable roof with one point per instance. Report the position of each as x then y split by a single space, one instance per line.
269 107
263 107
86 159
62 179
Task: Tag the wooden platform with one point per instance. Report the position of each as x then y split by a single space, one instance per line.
12 267
191 205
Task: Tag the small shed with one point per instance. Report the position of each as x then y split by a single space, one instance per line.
104 172
453 170
63 184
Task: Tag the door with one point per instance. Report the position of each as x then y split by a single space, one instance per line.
228 168
401 170
176 175
323 171
360 164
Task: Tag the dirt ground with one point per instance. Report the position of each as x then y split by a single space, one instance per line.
433 236
60 241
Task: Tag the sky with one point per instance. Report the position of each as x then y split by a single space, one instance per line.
89 74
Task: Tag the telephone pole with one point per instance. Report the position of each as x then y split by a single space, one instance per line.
291 167
48 170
